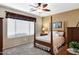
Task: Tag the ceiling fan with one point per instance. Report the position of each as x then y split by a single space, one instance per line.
40 7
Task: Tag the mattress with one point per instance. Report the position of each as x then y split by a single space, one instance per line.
57 41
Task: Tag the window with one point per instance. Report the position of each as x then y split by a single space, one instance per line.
10 27
22 27
31 28
16 28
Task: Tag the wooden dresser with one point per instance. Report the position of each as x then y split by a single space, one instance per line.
72 34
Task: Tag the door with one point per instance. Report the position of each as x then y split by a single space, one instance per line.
1 36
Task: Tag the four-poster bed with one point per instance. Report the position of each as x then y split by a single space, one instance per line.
40 41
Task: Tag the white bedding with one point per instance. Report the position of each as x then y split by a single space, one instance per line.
57 41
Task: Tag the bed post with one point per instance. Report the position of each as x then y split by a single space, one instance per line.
34 32
51 38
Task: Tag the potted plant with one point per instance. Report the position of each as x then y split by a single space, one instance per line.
74 45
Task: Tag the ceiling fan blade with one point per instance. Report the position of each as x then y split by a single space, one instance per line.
33 6
45 5
32 9
46 10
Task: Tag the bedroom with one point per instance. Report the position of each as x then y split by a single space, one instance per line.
66 19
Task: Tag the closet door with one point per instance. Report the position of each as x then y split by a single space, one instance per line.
1 36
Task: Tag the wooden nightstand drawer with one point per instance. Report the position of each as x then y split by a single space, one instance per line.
43 34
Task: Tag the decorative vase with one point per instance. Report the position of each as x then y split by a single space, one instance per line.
76 50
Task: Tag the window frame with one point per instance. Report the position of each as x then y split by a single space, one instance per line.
20 17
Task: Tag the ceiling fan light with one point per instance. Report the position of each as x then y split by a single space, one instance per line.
39 10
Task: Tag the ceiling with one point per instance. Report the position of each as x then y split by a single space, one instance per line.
54 7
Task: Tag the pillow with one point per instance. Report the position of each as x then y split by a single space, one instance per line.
60 33
55 33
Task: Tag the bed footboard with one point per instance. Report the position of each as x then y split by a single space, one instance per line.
43 43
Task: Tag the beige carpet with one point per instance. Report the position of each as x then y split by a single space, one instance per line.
27 49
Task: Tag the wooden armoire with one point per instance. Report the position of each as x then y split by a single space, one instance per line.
72 34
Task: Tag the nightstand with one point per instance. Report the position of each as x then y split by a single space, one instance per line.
43 34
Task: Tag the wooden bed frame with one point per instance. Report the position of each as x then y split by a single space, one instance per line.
50 45
47 44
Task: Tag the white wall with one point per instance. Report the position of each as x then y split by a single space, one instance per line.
7 43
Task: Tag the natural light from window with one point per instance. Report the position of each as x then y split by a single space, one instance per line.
17 28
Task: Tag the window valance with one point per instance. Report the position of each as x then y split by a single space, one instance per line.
20 17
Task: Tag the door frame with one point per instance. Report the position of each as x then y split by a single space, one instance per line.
1 36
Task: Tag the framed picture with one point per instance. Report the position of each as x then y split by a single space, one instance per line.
57 25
